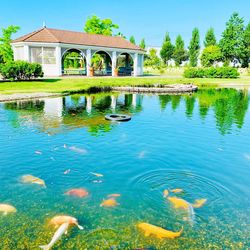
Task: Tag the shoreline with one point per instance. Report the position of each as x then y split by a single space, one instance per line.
27 96
155 89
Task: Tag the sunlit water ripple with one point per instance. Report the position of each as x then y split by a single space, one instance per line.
188 142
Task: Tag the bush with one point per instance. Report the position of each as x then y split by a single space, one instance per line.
212 72
21 70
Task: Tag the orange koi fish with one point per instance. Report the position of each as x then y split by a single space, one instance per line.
165 193
109 203
199 203
78 192
177 190
158 231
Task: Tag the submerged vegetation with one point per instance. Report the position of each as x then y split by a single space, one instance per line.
157 202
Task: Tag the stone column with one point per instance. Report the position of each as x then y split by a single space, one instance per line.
142 64
136 64
88 61
59 60
114 62
26 53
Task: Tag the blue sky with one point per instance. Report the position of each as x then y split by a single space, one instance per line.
141 18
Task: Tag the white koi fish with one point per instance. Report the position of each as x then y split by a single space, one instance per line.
58 234
78 150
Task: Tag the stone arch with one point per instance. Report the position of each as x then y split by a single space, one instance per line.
75 65
104 66
125 63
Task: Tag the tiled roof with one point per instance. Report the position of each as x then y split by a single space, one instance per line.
48 35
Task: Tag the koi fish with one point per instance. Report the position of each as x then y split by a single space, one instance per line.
67 171
165 193
114 195
177 190
109 203
199 203
78 192
179 203
78 150
97 175
32 179
60 219
97 181
158 231
6 208
58 234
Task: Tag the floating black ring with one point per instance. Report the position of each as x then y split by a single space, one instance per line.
118 117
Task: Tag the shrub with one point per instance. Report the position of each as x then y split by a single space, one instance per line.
21 70
212 72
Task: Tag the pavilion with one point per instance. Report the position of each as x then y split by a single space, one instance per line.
50 47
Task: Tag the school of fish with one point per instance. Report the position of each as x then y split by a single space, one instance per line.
62 223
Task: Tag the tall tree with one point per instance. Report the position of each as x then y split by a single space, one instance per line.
210 55
6 52
179 54
167 49
194 48
246 47
151 59
231 42
142 44
96 25
132 39
210 38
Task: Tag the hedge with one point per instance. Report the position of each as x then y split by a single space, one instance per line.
212 72
21 71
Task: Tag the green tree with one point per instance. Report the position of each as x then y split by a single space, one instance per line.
6 52
142 44
194 48
210 55
210 38
246 47
231 42
167 49
96 25
132 39
179 54
152 60
120 34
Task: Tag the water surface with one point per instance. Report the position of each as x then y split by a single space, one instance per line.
199 142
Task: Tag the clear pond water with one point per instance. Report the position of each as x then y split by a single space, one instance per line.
199 143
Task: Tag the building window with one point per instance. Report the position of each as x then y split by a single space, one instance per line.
36 54
43 55
19 53
49 56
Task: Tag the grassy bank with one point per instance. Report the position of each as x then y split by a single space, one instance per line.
64 85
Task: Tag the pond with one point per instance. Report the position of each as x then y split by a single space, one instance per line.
198 143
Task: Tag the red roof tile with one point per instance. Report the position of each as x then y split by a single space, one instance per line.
48 35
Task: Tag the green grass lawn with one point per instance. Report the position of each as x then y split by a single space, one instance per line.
70 85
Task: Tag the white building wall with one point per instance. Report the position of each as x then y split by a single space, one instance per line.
22 52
